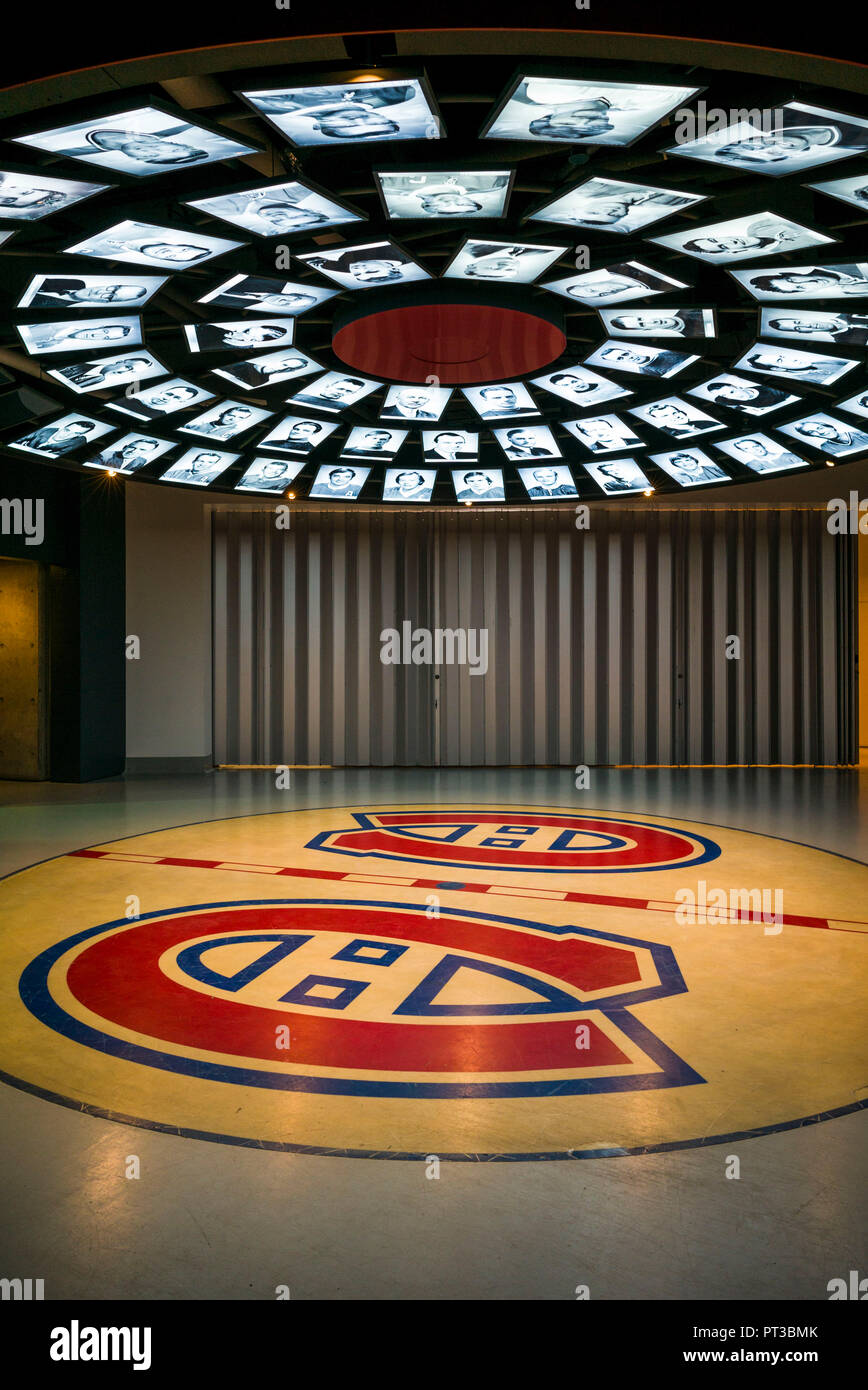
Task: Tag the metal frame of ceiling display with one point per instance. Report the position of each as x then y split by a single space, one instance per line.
352 284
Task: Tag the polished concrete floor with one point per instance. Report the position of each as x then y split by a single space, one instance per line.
211 1220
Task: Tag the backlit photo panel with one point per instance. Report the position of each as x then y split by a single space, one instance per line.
503 262
677 417
240 333
840 281
814 325
521 442
618 476
350 113
409 484
794 364
199 467
277 209
580 387
760 453
851 190
61 436
659 323
741 238
297 435
130 453
366 265
690 467
604 434
501 401
268 475
144 244
450 446
80 335
856 405
373 442
782 140
90 291
609 205
272 368
830 436
614 285
141 142
478 484
104 372
437 194
339 482
415 402
578 111
547 480
266 296
739 393
226 420
28 197
335 391
163 399
640 359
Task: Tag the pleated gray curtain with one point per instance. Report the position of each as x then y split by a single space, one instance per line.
605 646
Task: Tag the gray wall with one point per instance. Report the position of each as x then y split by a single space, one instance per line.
606 645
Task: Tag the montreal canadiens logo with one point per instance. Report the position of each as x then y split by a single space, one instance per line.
366 998
536 843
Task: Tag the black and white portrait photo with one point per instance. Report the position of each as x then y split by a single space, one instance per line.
80 335
90 291
792 364
266 296
27 197
61 436
521 442
740 238
850 190
226 420
604 434
581 387
130 453
142 244
814 325
659 323
277 209
415 402
618 476
856 405
254 333
738 393
575 110
614 285
690 467
296 434
349 113
640 359
140 142
163 399
268 475
760 453
478 484
462 193
505 262
612 206
365 266
409 484
373 442
784 140
104 372
339 481
676 417
198 466
503 401
806 282
827 434
552 480
335 391
256 373
450 446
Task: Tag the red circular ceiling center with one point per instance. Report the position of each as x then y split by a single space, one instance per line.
454 342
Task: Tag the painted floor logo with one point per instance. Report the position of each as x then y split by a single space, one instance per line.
505 982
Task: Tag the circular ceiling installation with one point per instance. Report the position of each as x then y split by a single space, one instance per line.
589 279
